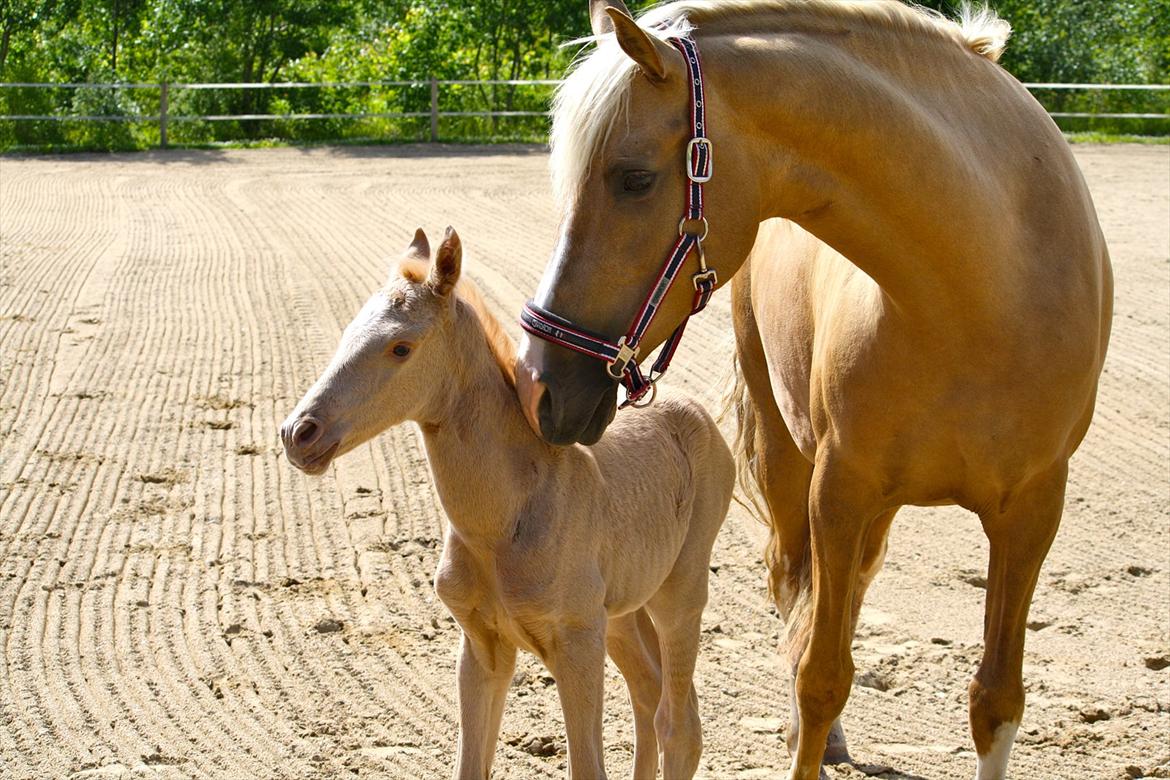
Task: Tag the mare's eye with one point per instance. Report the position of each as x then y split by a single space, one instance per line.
400 350
637 181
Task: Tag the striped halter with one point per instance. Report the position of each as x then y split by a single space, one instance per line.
621 358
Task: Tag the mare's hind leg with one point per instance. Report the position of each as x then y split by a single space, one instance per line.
1020 532
783 476
872 558
633 645
844 506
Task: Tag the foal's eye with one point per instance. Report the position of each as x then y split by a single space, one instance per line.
400 350
637 181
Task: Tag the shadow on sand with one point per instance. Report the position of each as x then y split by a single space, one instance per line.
232 155
883 771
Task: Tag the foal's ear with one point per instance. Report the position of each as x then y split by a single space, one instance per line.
651 53
598 19
448 261
420 247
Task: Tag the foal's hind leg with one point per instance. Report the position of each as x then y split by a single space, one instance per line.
677 610
576 658
1020 532
633 645
484 670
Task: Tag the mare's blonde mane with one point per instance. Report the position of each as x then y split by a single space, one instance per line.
502 348
595 94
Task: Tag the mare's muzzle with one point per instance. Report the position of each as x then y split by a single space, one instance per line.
566 396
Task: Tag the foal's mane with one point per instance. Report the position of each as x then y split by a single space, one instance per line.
595 94
500 344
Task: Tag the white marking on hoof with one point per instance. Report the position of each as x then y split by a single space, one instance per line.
993 766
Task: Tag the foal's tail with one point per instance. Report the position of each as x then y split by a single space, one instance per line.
794 606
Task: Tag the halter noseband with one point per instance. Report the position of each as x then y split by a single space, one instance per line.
621 358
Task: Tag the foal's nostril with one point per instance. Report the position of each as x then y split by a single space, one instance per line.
305 432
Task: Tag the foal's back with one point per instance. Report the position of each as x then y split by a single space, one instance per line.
666 482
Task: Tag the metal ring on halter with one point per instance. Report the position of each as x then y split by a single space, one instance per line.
684 221
647 399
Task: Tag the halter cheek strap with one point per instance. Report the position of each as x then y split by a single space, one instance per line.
621 357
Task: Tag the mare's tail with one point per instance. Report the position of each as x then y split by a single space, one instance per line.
795 607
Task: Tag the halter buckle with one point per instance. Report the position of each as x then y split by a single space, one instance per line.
706 275
695 175
616 368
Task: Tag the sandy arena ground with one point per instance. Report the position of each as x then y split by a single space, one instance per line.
177 601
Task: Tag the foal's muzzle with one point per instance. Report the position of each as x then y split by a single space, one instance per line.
305 444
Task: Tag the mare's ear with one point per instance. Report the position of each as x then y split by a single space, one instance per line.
599 20
420 247
448 262
650 52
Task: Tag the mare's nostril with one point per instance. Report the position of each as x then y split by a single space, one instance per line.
545 414
305 432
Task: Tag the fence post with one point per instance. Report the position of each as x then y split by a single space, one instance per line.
434 109
162 116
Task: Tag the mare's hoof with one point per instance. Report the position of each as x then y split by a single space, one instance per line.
836 749
837 755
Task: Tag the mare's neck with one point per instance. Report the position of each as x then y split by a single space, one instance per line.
484 457
878 152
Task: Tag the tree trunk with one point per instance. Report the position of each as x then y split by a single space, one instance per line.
114 41
495 71
5 40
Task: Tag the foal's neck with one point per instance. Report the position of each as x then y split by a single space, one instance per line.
484 457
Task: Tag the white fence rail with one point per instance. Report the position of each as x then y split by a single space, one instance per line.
165 116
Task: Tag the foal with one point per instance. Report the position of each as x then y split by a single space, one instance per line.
565 552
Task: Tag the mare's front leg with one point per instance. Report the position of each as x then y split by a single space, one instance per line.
1020 531
576 658
485 667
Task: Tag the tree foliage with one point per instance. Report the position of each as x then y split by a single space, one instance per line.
1125 41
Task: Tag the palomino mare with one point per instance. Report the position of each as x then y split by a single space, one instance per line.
923 314
567 552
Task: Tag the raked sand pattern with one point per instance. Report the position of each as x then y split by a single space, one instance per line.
177 601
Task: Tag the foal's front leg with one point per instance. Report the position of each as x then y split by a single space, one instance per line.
485 668
577 662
